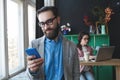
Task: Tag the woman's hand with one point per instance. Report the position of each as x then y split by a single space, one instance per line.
92 57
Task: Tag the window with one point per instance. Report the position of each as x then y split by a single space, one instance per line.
31 22
2 61
14 36
49 2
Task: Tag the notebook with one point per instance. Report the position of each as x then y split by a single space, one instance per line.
104 53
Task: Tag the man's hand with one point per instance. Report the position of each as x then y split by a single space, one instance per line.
34 64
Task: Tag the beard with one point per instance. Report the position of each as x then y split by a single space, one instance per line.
51 33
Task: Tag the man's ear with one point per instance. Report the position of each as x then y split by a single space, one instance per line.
58 19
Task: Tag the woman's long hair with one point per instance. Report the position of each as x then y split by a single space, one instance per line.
80 36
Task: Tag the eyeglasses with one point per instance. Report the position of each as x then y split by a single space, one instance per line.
48 22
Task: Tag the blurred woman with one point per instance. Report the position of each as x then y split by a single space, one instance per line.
82 46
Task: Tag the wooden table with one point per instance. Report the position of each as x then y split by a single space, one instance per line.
112 62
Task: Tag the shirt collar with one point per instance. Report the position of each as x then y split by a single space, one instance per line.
57 40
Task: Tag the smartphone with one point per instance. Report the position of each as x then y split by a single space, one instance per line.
32 51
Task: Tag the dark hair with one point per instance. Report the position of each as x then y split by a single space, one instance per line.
48 8
80 36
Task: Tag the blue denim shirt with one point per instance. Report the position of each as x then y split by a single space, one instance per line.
53 59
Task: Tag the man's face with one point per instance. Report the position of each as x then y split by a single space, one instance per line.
49 24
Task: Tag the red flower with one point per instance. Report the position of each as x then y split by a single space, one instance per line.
87 21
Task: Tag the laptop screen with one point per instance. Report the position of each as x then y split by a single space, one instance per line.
105 53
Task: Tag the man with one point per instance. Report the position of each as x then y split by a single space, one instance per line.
59 57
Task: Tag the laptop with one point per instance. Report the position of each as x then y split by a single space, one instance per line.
104 53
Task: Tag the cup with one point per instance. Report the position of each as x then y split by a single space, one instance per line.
97 48
86 56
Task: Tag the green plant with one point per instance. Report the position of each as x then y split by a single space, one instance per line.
99 13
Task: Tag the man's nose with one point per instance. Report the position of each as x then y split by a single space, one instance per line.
46 26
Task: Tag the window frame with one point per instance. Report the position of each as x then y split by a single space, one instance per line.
3 40
24 28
